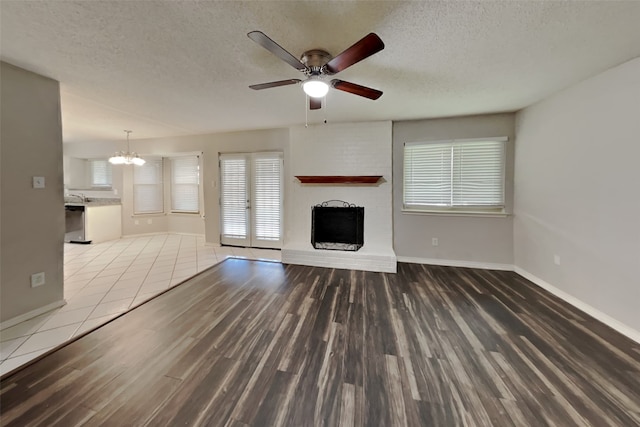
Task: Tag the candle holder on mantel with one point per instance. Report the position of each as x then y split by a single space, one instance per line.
339 179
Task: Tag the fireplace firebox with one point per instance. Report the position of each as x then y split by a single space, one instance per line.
337 225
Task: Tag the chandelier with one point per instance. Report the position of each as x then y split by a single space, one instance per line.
128 157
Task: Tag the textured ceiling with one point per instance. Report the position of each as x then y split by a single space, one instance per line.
167 68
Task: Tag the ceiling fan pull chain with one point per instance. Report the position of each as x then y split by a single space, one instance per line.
325 109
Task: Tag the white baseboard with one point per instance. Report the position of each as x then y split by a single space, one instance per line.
31 314
155 233
159 233
456 263
581 305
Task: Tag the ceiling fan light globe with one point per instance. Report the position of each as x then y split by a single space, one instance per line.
315 88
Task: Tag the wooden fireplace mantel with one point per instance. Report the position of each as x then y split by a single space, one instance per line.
339 179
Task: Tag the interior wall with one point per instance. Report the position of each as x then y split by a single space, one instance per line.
465 240
577 192
75 172
210 145
32 221
341 149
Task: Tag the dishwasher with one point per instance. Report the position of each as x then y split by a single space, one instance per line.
74 224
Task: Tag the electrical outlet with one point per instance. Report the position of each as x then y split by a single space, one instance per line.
37 279
556 259
149 221
434 241
136 222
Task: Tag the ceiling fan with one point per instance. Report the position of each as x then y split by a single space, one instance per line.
316 64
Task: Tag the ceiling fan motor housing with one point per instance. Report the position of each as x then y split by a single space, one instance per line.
315 59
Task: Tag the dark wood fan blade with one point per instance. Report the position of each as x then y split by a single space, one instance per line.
263 40
315 103
275 84
355 89
364 48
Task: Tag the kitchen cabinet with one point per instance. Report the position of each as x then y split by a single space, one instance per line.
103 223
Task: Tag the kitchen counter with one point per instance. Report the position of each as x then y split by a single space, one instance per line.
101 219
91 201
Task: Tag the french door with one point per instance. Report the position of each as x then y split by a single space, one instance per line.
251 187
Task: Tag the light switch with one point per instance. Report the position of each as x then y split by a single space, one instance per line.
37 279
38 182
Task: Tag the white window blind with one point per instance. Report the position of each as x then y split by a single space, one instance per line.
185 184
234 196
147 187
267 202
100 171
455 174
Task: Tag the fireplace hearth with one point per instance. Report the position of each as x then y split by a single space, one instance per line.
337 225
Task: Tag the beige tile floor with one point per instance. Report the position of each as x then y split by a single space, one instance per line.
104 280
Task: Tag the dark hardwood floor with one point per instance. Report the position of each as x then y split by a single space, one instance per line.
262 344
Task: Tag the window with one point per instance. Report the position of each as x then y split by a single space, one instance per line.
100 171
147 187
458 175
185 184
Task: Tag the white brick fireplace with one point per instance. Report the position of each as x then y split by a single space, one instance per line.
341 149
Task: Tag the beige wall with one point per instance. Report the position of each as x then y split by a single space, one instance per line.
210 146
461 239
577 187
32 221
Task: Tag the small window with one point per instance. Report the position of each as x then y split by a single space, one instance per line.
185 184
147 187
100 171
455 175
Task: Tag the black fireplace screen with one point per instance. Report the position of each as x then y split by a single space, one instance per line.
337 228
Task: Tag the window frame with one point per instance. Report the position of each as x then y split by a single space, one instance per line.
461 210
171 160
108 174
160 175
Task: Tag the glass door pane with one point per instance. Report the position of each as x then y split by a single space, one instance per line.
234 201
266 204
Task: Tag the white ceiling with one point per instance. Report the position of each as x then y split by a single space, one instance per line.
165 68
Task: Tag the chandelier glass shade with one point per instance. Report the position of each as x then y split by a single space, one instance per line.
128 157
